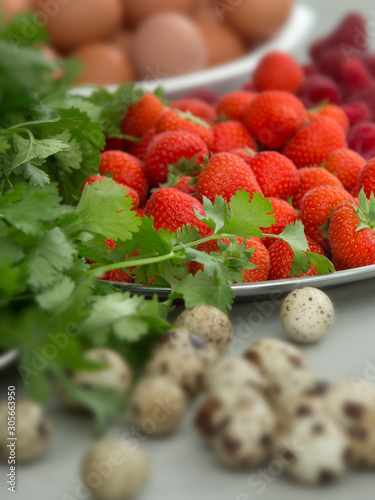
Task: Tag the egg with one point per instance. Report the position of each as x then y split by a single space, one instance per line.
11 7
72 24
256 20
223 44
166 45
123 40
104 64
139 10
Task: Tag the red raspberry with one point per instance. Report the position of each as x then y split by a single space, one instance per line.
357 112
330 62
278 71
361 139
317 89
354 77
113 144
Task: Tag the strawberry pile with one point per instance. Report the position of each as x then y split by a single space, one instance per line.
300 136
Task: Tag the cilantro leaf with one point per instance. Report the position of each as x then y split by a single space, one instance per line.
49 299
246 217
294 234
216 214
103 209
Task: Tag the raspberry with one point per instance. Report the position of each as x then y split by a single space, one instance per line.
330 62
369 61
354 77
350 34
206 95
310 69
317 89
361 139
367 96
357 112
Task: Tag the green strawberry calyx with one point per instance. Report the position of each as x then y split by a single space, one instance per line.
189 116
365 211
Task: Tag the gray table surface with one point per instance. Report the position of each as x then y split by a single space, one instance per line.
183 467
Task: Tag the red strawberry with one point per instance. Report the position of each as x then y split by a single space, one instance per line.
366 179
126 170
281 260
316 209
117 276
142 116
139 150
260 258
351 233
167 149
346 165
224 175
310 178
231 135
276 175
196 107
233 106
274 117
333 111
131 192
243 153
140 212
278 71
174 120
284 215
315 142
114 143
183 185
172 209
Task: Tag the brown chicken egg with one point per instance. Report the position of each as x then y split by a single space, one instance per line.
104 64
223 44
168 44
122 39
11 7
72 24
256 20
139 10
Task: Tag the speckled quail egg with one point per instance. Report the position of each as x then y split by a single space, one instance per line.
234 373
313 450
307 315
114 469
362 442
33 431
210 323
157 405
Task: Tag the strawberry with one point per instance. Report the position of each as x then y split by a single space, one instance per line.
346 165
276 175
260 258
125 169
142 116
315 142
273 118
231 135
172 209
139 150
167 149
333 111
233 106
114 143
310 178
351 232
174 120
284 215
131 192
278 71
316 209
366 179
196 107
117 276
224 175
281 260
183 185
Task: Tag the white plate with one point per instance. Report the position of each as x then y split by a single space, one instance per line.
7 358
232 75
270 288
